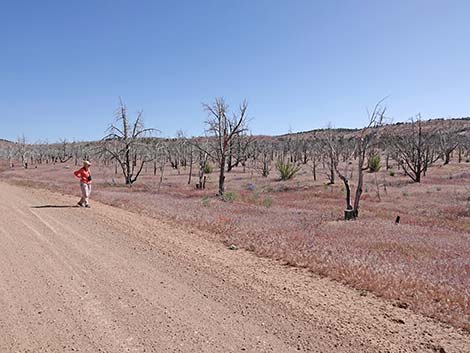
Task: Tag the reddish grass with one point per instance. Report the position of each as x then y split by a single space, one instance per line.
423 263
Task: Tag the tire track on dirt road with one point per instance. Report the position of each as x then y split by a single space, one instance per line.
107 280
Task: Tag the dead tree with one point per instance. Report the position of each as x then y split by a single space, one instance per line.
224 129
22 150
203 160
160 158
263 157
364 141
191 162
331 154
125 143
176 151
448 142
238 150
314 150
415 150
64 152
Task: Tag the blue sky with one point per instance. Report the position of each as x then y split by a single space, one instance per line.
300 63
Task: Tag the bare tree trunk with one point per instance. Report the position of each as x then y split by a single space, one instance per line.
377 187
162 169
447 157
360 182
332 174
222 176
314 169
202 179
190 167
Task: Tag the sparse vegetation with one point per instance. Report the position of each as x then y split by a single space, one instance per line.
230 196
208 169
267 202
298 222
206 201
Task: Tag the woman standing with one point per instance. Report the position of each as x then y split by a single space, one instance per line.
85 183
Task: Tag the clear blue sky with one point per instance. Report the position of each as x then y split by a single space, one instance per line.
299 63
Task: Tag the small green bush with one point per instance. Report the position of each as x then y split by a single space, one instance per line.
230 196
267 202
287 170
391 173
208 169
206 201
374 163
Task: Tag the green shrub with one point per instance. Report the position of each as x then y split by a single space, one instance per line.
374 163
391 173
206 201
208 168
230 196
287 170
267 202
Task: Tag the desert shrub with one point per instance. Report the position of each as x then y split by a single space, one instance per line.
208 168
230 196
287 170
391 173
206 201
267 202
374 163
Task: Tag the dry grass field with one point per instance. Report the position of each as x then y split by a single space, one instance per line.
422 264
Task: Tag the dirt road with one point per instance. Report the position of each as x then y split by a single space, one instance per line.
107 280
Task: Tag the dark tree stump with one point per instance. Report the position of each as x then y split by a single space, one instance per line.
349 214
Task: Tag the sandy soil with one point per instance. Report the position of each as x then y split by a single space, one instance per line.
107 280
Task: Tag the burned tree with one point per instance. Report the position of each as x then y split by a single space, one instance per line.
364 142
314 150
263 157
64 152
203 167
331 154
448 142
22 150
415 150
238 150
125 144
224 129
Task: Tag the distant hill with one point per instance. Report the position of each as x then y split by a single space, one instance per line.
462 125
5 143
